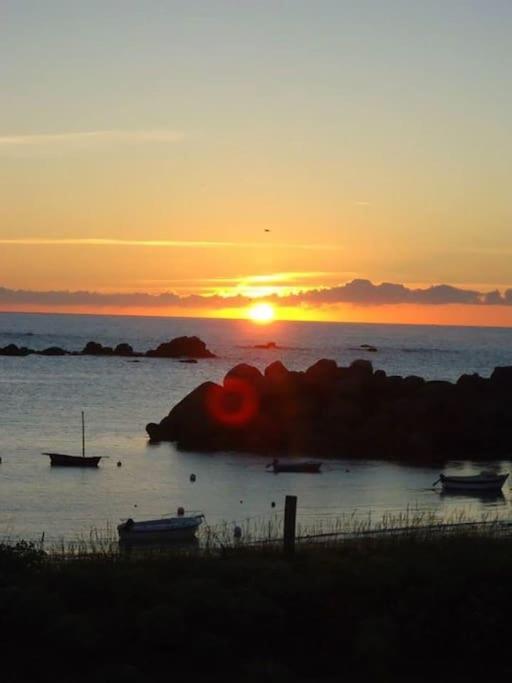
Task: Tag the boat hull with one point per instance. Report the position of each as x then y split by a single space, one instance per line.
159 531
308 467
477 483
63 460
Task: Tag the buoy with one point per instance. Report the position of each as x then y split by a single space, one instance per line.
119 463
241 502
192 477
237 532
181 512
272 504
135 506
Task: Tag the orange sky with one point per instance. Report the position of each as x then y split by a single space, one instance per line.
499 316
253 149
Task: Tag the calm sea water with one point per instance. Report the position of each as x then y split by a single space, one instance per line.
41 399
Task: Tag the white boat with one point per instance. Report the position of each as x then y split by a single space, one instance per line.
164 530
485 481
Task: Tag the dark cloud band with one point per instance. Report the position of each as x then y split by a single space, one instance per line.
358 292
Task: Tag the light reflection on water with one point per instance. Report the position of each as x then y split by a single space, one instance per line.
41 399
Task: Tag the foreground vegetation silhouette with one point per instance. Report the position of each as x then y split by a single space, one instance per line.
394 609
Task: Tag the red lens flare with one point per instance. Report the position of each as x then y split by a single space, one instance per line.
235 404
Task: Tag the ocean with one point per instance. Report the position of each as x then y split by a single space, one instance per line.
41 399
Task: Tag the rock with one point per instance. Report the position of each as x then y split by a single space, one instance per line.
189 420
93 348
502 378
471 382
334 411
413 383
188 347
362 366
13 350
276 372
123 350
245 373
53 351
322 373
191 347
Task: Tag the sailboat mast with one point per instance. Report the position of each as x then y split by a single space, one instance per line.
83 435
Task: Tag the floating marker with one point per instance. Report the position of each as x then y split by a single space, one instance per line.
192 477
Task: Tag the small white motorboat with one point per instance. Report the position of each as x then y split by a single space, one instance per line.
483 482
165 530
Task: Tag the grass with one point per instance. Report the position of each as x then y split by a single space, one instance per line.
424 604
262 530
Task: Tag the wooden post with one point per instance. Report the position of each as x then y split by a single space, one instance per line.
290 516
83 435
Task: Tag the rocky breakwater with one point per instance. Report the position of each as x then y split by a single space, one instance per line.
352 411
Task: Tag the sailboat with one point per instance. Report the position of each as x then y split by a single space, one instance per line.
63 460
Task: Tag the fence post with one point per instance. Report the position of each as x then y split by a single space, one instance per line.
290 516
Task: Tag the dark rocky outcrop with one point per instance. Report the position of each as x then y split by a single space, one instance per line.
54 351
13 350
123 350
369 347
352 411
189 347
93 348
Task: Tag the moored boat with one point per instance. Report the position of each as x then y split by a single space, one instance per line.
165 530
485 481
295 466
64 460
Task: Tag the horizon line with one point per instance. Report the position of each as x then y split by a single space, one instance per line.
269 325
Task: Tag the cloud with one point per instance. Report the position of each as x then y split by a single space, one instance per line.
122 299
89 137
202 244
365 293
357 292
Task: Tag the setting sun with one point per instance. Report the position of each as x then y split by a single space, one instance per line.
262 313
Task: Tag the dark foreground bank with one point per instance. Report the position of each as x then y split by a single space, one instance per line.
353 411
402 609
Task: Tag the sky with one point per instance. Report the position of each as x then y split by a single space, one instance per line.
182 158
